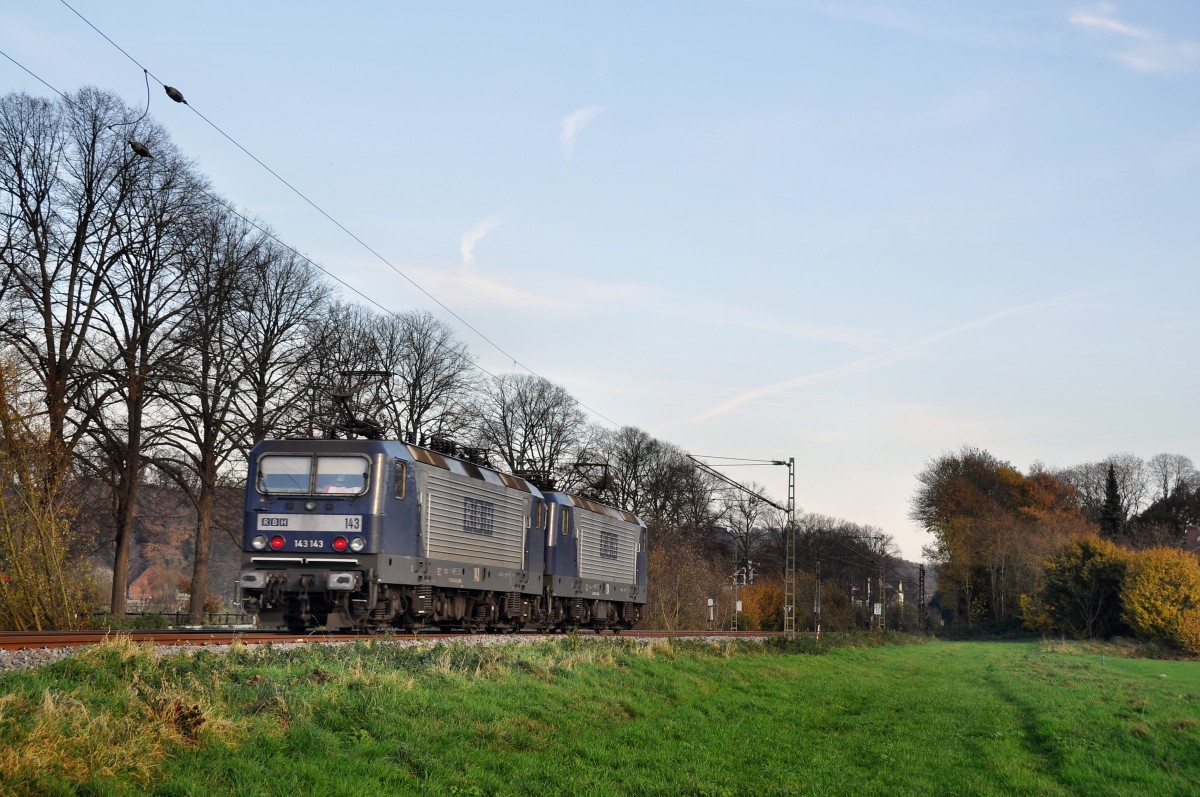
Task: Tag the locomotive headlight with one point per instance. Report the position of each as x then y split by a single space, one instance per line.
339 543
357 544
259 542
277 542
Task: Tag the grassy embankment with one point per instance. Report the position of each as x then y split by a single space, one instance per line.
600 716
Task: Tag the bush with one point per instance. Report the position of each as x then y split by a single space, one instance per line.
43 585
1035 615
1161 596
1081 591
1189 631
762 605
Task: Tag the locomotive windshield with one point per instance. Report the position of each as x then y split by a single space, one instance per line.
278 474
345 475
295 475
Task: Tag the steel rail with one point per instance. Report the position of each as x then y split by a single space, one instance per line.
41 640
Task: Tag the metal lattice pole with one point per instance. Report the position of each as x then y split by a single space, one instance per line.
789 572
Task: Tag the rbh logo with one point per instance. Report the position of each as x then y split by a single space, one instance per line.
264 522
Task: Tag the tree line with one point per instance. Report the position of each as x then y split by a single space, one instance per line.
1066 549
152 333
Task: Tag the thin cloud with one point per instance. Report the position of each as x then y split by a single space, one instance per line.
1147 50
1163 57
575 122
870 363
1104 22
474 235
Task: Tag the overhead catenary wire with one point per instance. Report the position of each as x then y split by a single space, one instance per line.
517 363
733 483
224 203
739 464
177 97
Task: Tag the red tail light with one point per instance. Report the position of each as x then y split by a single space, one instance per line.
339 543
277 542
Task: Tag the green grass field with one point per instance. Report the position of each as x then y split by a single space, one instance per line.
604 716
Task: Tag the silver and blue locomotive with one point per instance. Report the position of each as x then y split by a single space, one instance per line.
374 534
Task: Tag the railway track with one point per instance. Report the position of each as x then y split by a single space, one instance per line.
42 640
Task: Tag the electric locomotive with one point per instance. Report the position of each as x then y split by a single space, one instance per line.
370 534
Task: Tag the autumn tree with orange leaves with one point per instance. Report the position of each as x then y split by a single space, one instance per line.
993 529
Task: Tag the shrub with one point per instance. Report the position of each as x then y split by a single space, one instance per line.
1081 590
1035 615
1189 631
762 604
43 584
1161 596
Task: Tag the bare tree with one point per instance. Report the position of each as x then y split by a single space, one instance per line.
1133 481
630 455
66 182
282 298
682 496
531 423
340 345
140 306
204 431
1089 480
683 577
1169 471
430 378
847 553
749 517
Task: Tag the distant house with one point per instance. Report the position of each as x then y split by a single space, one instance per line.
154 588
1191 539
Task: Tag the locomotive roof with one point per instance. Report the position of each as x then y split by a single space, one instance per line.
445 462
464 468
594 506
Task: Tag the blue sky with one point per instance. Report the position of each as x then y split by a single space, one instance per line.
859 234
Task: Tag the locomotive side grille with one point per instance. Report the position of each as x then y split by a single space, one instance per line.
473 521
608 548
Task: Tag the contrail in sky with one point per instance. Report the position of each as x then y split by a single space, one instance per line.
869 363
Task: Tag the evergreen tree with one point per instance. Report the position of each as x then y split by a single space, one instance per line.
1112 516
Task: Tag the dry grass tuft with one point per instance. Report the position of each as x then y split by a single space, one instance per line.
63 735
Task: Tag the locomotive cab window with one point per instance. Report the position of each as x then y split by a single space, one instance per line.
294 474
565 518
342 475
284 474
